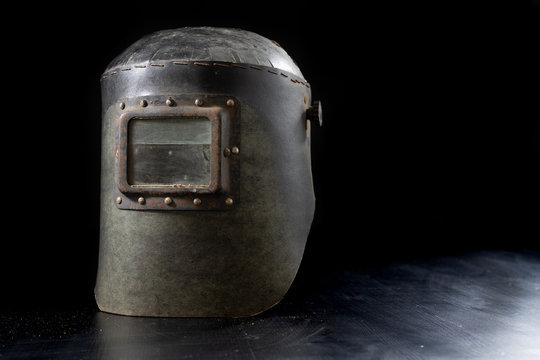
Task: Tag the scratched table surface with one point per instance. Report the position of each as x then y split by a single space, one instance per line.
478 305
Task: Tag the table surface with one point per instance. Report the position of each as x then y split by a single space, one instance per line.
477 305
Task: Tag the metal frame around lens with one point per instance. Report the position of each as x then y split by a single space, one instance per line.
223 190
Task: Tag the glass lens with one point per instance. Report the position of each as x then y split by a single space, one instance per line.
168 151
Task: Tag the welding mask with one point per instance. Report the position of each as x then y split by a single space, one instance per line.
206 188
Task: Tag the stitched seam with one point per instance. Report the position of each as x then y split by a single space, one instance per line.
248 67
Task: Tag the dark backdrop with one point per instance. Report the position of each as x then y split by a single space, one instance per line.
430 144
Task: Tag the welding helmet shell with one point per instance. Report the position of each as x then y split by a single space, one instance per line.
206 187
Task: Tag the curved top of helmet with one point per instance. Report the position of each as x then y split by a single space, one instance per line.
206 44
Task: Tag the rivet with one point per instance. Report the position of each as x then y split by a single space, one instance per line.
169 102
198 102
141 200
197 201
143 103
235 150
167 201
229 201
119 200
230 102
122 106
226 152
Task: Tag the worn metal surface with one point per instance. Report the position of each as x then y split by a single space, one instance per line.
232 263
482 305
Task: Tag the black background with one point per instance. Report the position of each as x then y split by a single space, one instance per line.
430 143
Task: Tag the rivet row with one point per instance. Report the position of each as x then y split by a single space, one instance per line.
170 102
168 201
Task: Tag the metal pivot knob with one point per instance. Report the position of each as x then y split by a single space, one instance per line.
314 113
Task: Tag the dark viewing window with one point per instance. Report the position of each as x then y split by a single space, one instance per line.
169 151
